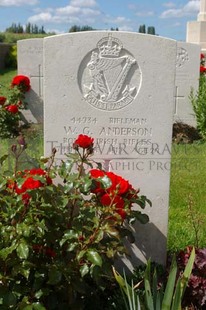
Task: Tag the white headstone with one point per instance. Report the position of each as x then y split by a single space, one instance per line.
196 30
30 63
117 87
187 78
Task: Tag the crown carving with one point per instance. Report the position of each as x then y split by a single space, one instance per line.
109 46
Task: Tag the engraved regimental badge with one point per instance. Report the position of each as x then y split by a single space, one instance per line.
109 76
182 57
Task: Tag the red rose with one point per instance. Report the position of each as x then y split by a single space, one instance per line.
202 69
39 171
31 183
83 141
12 108
2 100
120 185
36 171
22 82
202 56
96 173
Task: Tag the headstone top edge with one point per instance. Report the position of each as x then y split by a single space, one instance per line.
83 33
30 39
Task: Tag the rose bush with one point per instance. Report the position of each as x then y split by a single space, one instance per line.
60 239
10 107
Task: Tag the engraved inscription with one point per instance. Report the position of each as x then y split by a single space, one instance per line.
109 77
31 50
118 138
182 57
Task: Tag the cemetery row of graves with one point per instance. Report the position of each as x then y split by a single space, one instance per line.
108 100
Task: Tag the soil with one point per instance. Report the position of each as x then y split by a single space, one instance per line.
183 133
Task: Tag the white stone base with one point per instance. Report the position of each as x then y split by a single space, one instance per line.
196 33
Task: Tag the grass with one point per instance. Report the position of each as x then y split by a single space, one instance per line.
187 212
5 80
29 158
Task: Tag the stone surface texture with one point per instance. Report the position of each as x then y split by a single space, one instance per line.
187 78
117 87
30 63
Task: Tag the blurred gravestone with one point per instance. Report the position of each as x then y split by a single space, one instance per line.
187 78
30 63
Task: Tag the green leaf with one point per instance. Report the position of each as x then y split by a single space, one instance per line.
176 305
23 229
124 232
22 250
23 270
84 270
38 306
167 300
29 307
148 291
3 158
80 255
6 251
187 271
142 200
68 235
86 185
142 218
9 299
182 283
94 257
112 232
55 276
120 280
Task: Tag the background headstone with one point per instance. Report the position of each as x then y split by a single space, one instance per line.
187 78
30 63
196 30
4 51
117 87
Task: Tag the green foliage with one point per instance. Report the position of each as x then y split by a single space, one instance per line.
76 28
30 28
15 28
58 241
199 105
131 299
142 29
2 37
151 30
157 298
11 57
171 297
14 37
